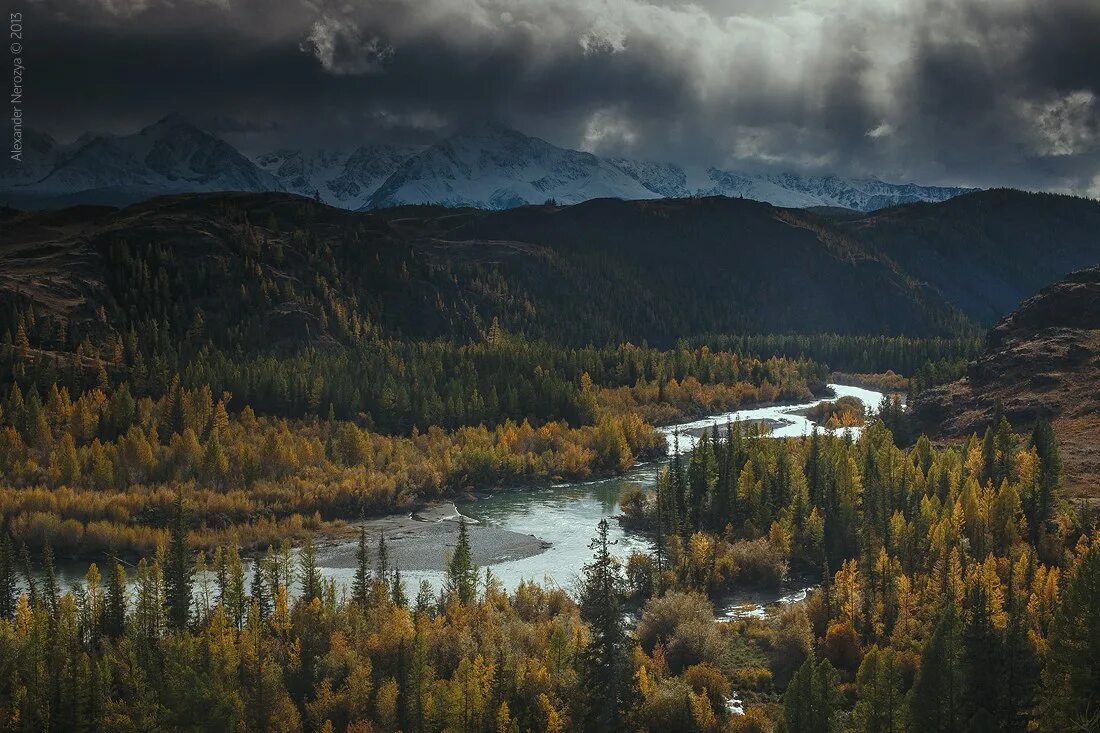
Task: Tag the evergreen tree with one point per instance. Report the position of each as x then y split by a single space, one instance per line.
114 612
811 702
605 673
311 576
50 588
936 698
461 571
178 570
678 485
881 707
1050 472
425 599
176 419
258 590
398 591
7 575
382 564
360 587
1071 675
983 654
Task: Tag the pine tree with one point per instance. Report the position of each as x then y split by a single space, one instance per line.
605 659
461 571
178 570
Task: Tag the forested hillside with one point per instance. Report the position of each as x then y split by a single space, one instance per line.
291 270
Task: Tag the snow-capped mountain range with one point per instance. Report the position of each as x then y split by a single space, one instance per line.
488 166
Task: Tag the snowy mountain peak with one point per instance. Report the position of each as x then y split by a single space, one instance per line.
495 167
339 178
169 156
486 165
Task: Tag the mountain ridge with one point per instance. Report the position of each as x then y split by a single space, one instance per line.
487 166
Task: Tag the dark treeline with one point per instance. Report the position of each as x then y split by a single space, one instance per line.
395 385
391 386
926 361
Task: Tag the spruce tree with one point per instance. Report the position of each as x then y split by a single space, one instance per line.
881 682
811 702
605 673
114 612
50 588
936 698
382 565
398 591
425 600
7 576
983 668
360 586
678 484
178 569
258 590
461 571
1050 471
1071 675
311 576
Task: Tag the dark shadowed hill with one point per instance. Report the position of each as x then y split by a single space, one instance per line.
1043 359
718 265
986 251
262 269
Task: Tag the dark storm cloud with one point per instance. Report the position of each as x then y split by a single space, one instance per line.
983 93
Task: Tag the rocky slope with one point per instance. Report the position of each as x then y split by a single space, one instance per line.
1042 359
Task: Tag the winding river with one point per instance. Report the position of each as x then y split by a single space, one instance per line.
543 534
565 516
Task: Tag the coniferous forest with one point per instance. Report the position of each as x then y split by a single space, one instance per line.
204 408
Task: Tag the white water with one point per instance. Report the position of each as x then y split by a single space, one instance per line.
791 424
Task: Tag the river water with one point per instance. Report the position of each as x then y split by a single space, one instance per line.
566 515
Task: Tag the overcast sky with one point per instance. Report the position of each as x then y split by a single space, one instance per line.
972 92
